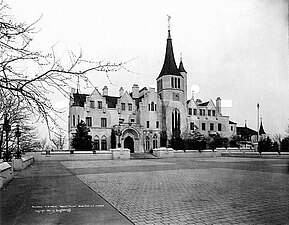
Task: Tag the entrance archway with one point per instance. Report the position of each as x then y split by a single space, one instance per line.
128 143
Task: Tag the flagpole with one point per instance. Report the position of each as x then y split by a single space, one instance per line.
258 106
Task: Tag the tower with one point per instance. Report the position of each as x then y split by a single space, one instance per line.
172 93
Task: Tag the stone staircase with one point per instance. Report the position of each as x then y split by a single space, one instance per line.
142 156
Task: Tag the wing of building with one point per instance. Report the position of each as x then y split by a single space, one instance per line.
144 119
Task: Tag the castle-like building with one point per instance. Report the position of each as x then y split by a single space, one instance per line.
144 119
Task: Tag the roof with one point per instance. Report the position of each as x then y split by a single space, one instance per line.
181 67
111 101
169 66
231 122
79 99
245 131
261 130
203 104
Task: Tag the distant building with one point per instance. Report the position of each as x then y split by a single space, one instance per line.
139 120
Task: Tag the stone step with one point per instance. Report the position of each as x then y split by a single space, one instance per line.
142 156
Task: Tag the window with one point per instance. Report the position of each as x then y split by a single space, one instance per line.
195 112
92 104
122 106
203 126
152 106
176 123
161 84
179 83
204 112
176 82
192 126
73 120
190 111
155 141
176 97
103 143
172 82
149 106
157 124
132 120
129 107
78 119
88 121
96 143
214 112
99 103
209 112
147 143
211 126
232 128
103 122
201 112
148 124
219 127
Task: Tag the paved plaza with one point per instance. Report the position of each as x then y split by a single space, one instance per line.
206 190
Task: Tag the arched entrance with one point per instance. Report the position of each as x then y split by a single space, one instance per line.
128 143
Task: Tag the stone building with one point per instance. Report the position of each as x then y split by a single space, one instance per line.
141 119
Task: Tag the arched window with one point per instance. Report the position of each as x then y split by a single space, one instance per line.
147 143
155 141
96 143
103 143
152 106
176 123
172 82
179 83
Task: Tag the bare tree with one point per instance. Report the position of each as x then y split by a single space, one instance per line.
59 140
30 75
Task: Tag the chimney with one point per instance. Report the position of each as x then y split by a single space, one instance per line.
135 91
193 95
105 91
121 92
218 105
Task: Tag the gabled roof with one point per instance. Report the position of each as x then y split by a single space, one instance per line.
79 99
111 101
169 66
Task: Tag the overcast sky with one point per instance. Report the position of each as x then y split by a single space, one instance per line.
235 49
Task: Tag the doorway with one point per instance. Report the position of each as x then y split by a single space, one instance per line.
129 143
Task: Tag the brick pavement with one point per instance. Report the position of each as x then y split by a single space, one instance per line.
190 195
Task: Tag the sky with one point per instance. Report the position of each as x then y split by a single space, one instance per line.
235 49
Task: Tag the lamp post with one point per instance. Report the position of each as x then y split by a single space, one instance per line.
118 133
7 128
18 134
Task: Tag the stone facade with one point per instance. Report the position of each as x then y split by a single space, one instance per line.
136 120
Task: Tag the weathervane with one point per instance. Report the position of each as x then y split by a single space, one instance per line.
169 24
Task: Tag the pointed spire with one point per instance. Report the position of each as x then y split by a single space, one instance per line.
181 66
169 66
261 130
